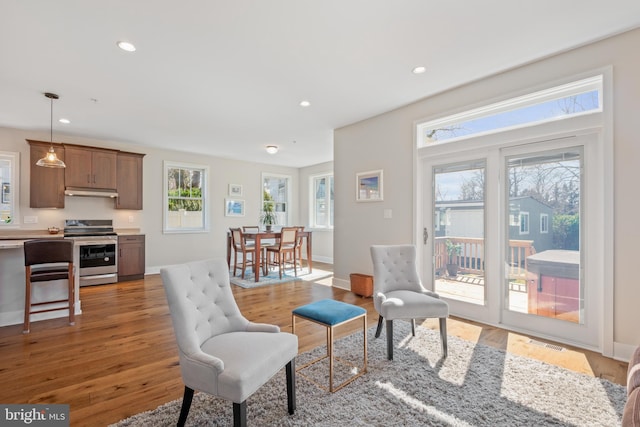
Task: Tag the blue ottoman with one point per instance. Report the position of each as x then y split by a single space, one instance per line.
330 314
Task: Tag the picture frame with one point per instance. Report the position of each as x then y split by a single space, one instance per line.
235 190
233 207
369 186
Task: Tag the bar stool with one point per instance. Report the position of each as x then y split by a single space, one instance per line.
49 257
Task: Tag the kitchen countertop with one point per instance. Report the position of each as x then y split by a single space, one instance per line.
44 234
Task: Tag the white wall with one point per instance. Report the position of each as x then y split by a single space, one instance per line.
161 249
387 141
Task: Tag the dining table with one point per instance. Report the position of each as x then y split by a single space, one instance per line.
258 237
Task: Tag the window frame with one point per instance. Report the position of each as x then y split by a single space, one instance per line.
514 104
526 215
286 204
544 223
204 185
14 188
313 200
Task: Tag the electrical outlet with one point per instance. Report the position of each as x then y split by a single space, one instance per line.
387 214
131 219
30 220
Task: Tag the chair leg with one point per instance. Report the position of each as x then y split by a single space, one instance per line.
240 414
186 404
413 327
72 296
27 302
389 339
443 335
379 328
291 386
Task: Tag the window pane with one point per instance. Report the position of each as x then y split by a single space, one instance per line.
275 194
560 102
546 263
185 203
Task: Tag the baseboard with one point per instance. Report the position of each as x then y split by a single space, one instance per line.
341 283
623 352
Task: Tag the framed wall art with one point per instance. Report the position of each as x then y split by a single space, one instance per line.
233 207
235 190
369 186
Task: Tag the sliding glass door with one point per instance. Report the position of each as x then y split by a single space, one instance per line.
505 231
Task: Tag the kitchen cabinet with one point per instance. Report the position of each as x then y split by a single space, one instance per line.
131 264
89 167
46 186
129 181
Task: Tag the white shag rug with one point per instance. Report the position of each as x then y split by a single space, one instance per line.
476 385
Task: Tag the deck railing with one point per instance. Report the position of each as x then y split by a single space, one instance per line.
471 257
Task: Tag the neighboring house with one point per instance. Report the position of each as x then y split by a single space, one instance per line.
529 219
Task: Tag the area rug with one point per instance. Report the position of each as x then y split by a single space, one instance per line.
476 385
273 277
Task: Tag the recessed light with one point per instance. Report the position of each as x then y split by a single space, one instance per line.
419 70
65 121
126 46
272 149
304 103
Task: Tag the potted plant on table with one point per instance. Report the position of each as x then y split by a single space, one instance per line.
268 216
453 251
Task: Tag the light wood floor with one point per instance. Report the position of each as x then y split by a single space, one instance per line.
121 358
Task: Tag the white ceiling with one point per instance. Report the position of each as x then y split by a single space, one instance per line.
226 77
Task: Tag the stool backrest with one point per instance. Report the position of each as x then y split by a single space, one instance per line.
46 251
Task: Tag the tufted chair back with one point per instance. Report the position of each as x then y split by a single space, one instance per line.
201 303
394 269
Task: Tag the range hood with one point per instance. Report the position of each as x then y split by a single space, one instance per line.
86 192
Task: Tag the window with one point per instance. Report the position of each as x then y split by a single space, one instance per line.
9 188
322 209
276 191
524 222
185 197
544 223
560 102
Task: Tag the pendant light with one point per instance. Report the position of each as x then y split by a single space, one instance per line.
51 160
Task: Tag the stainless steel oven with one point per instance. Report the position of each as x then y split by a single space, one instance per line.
96 249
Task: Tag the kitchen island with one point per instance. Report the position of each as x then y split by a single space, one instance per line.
12 278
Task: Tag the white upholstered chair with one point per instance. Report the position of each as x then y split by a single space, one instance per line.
398 292
221 352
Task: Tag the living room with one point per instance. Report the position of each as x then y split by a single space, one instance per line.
386 142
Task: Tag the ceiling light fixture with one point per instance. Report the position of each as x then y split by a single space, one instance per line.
272 149
304 103
64 121
126 46
51 160
419 70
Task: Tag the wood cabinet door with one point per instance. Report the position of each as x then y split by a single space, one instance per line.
103 165
78 171
129 181
131 262
46 189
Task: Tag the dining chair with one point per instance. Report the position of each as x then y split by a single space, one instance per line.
398 292
299 239
286 247
240 246
222 353
250 229
47 260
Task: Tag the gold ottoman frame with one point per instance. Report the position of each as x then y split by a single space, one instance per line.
330 354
